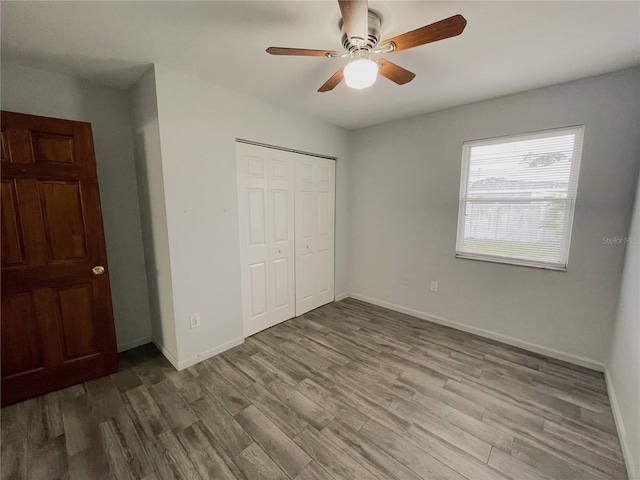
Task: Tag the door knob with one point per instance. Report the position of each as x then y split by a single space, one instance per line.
98 270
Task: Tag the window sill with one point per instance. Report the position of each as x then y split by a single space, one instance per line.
511 261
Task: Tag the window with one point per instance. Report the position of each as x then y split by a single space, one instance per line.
517 195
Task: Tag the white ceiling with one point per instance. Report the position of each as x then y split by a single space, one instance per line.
507 47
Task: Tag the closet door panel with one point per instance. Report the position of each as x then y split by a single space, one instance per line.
282 285
252 209
315 212
326 230
281 235
258 290
286 212
266 217
306 234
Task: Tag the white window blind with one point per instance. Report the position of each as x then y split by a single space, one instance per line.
517 197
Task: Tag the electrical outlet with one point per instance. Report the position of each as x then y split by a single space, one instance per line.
194 320
405 280
434 285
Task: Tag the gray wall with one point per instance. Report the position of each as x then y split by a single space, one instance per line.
35 92
405 180
623 367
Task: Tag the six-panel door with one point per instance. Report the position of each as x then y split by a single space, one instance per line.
286 209
315 212
266 213
57 321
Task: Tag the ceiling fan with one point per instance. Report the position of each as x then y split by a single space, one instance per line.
361 39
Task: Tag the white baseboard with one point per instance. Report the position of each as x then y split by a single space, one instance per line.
566 357
133 344
167 354
622 435
182 364
341 296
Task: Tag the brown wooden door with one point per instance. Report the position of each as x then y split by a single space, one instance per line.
57 318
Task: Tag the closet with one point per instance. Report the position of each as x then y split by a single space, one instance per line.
286 211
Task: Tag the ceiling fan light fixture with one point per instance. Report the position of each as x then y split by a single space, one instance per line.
360 73
360 29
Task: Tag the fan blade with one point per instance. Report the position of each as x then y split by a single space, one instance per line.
394 72
330 84
304 52
355 17
449 27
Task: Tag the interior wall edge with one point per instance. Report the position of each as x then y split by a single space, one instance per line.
143 105
617 417
340 296
515 342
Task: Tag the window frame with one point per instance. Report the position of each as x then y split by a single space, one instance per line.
570 200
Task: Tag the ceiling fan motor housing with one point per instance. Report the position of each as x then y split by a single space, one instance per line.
375 21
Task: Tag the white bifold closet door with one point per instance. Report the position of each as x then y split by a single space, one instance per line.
315 212
286 209
266 210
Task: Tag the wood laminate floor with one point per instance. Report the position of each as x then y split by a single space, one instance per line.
348 391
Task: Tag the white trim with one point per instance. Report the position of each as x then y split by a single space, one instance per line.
209 353
284 149
532 347
550 132
181 365
122 347
617 416
510 261
167 354
340 297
